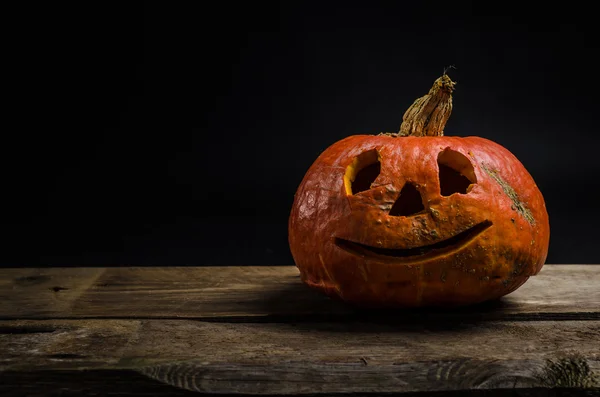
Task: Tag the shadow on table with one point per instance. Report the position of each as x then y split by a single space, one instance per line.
297 303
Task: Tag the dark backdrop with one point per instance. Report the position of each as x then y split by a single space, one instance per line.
174 134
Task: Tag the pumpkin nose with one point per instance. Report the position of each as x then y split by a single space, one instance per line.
409 202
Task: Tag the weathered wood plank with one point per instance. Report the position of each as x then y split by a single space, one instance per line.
558 292
43 293
113 383
127 383
353 357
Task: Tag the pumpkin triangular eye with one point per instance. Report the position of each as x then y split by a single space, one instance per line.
408 203
456 172
362 172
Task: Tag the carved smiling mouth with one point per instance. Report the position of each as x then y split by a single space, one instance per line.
448 245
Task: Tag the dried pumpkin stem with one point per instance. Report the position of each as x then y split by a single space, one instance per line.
428 115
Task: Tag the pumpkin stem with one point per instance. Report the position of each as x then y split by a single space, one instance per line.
428 115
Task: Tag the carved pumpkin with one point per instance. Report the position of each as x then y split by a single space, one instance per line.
416 218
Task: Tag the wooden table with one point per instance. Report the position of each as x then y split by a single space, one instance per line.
258 330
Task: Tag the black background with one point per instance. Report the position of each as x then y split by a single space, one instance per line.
171 134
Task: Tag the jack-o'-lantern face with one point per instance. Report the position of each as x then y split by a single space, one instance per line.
417 221
408 206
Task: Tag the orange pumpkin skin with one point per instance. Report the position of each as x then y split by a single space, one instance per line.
475 245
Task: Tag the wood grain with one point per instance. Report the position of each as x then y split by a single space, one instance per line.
263 293
259 330
113 383
43 292
126 383
301 358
